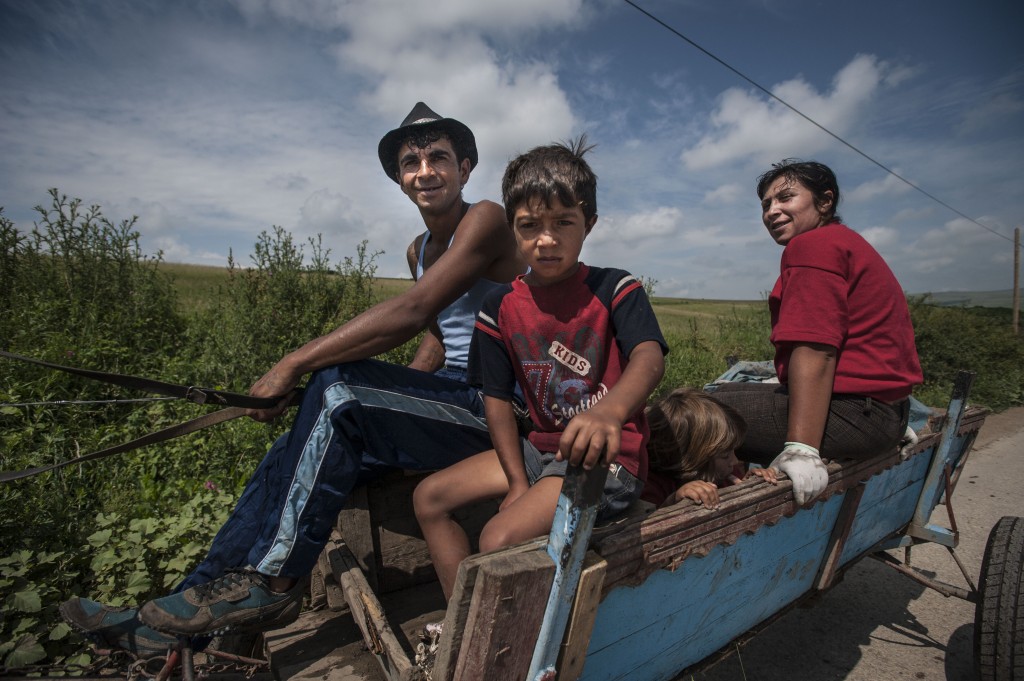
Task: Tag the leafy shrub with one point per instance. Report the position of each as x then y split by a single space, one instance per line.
275 306
973 339
77 290
31 630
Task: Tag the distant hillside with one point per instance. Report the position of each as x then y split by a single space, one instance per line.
1002 298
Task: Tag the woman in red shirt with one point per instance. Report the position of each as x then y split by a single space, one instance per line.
844 344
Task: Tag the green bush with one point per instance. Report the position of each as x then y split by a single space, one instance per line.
973 339
701 353
77 290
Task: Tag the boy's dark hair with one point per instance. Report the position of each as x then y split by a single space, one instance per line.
818 178
556 171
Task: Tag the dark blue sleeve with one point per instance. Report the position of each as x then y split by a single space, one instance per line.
632 314
490 366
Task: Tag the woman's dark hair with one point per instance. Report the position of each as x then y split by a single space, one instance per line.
818 178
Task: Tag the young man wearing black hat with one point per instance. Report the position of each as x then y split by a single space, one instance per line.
358 416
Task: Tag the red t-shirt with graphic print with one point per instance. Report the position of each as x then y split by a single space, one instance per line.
566 345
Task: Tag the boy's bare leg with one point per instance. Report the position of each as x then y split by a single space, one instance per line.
528 517
472 480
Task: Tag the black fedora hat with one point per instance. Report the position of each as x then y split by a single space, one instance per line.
422 118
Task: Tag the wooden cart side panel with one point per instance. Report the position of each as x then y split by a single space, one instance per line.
959 447
888 505
505 615
370 617
459 606
581 620
677 618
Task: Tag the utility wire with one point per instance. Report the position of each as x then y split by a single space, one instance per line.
814 122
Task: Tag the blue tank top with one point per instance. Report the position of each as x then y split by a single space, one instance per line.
456 321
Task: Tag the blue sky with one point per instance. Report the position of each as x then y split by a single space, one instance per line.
214 120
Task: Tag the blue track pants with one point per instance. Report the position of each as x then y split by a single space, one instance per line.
355 421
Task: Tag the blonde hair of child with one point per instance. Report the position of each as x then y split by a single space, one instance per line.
689 428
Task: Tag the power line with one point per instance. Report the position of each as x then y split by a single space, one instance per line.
814 122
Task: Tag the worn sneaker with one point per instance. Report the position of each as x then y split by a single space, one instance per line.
110 628
240 600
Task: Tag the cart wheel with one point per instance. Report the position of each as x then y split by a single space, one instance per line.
999 616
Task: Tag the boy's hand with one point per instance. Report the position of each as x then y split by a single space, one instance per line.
705 493
590 439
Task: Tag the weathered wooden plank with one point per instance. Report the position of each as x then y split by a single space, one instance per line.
459 607
455 622
575 515
840 533
676 618
887 506
505 615
669 536
370 617
581 621
354 524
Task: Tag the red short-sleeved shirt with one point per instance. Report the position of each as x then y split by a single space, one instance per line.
836 289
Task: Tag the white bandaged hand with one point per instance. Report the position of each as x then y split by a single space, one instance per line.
804 466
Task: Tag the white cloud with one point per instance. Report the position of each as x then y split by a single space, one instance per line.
888 185
629 230
990 112
881 237
955 257
747 124
727 193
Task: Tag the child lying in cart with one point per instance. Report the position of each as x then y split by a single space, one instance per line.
692 450
585 347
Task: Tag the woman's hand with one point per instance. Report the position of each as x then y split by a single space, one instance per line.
804 466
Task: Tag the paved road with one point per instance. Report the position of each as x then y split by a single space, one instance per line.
878 625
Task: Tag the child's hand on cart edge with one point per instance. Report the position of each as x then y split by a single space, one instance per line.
700 491
769 475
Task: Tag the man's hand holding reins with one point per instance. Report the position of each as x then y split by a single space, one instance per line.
278 382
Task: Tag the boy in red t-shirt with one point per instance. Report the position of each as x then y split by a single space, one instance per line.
584 346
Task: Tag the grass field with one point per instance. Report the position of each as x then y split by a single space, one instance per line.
197 285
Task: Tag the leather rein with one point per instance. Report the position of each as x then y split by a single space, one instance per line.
234 405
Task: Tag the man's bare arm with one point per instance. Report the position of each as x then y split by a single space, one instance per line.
484 240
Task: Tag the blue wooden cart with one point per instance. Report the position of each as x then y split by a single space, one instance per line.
634 603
